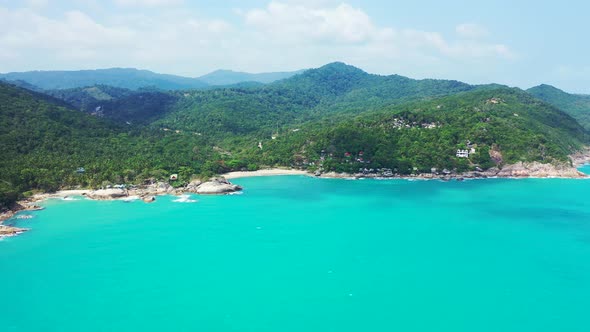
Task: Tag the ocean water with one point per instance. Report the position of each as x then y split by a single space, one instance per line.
296 253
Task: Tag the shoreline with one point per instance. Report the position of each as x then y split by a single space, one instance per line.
264 172
149 193
520 170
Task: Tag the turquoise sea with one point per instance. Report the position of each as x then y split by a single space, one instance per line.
297 253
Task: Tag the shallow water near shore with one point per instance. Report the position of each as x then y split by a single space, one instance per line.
296 253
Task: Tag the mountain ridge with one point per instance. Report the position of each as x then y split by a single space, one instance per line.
231 77
577 105
134 79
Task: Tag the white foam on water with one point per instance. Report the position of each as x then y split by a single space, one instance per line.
130 199
67 198
185 199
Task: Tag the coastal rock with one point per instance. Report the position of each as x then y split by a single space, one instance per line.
10 231
193 186
217 186
149 199
334 175
581 157
160 188
6 215
539 170
105 194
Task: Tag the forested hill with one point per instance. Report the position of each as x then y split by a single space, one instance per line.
44 142
577 106
333 90
502 126
339 79
122 105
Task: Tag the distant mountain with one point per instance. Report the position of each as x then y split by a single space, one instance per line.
127 78
22 84
578 106
134 79
230 77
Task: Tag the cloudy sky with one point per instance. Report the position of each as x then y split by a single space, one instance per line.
515 42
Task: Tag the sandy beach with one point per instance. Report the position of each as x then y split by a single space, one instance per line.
264 172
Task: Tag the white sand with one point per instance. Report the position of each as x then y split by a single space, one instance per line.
264 172
60 194
63 193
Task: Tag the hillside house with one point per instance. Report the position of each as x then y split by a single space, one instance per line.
462 153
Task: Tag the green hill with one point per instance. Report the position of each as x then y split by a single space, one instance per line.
123 105
578 106
87 98
332 90
44 141
419 136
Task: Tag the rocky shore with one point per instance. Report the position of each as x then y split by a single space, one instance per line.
6 231
147 193
215 186
518 170
581 158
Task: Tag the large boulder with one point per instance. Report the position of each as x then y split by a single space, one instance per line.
105 194
149 199
193 186
159 188
162 188
217 186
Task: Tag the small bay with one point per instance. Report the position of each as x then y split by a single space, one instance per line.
297 253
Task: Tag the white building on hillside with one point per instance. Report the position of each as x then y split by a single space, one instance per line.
462 153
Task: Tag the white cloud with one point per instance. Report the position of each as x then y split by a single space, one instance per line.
25 30
148 3
471 30
297 22
280 36
291 24
37 4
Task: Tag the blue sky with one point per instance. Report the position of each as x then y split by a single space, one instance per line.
519 43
